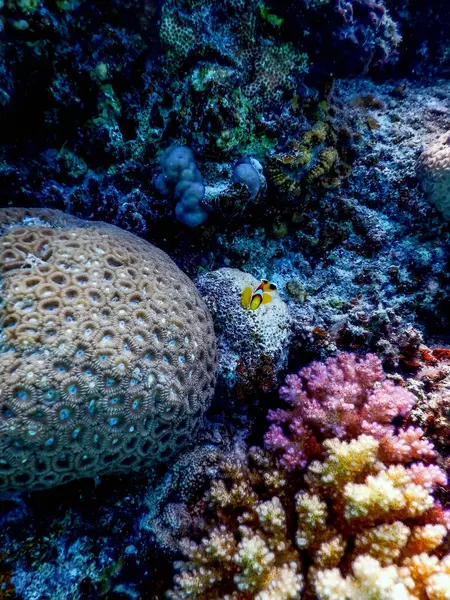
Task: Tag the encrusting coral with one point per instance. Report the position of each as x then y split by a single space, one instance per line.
357 523
434 170
108 353
244 336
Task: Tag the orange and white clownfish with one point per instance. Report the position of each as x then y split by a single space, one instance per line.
252 298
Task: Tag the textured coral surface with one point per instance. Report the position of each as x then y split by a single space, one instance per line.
244 336
108 353
345 396
434 166
359 522
431 385
356 529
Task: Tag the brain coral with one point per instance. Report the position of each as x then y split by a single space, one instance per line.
434 168
107 356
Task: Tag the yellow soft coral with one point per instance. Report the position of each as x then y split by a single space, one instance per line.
355 512
369 581
384 542
389 492
345 462
438 584
421 577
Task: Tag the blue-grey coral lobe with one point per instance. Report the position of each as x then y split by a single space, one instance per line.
301 144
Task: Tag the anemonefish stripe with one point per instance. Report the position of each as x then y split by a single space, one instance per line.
251 298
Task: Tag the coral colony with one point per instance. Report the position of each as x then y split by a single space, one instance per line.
96 380
341 506
225 300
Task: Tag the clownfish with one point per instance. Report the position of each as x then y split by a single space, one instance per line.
252 298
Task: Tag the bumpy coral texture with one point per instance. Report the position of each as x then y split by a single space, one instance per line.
244 335
344 397
267 531
108 354
181 175
432 409
357 524
434 168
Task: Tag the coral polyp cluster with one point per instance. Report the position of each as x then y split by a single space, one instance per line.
343 397
357 522
353 524
108 353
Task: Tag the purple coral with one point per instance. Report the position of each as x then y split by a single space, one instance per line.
343 397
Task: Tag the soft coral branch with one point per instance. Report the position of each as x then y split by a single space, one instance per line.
343 397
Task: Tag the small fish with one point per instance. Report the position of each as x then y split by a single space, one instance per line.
252 298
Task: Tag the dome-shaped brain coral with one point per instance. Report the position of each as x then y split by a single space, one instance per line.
107 355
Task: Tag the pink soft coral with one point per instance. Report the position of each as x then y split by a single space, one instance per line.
343 397
359 522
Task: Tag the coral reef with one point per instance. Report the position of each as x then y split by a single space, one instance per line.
168 516
434 170
233 136
248 172
102 128
263 68
108 352
244 336
361 34
359 522
367 270
115 536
